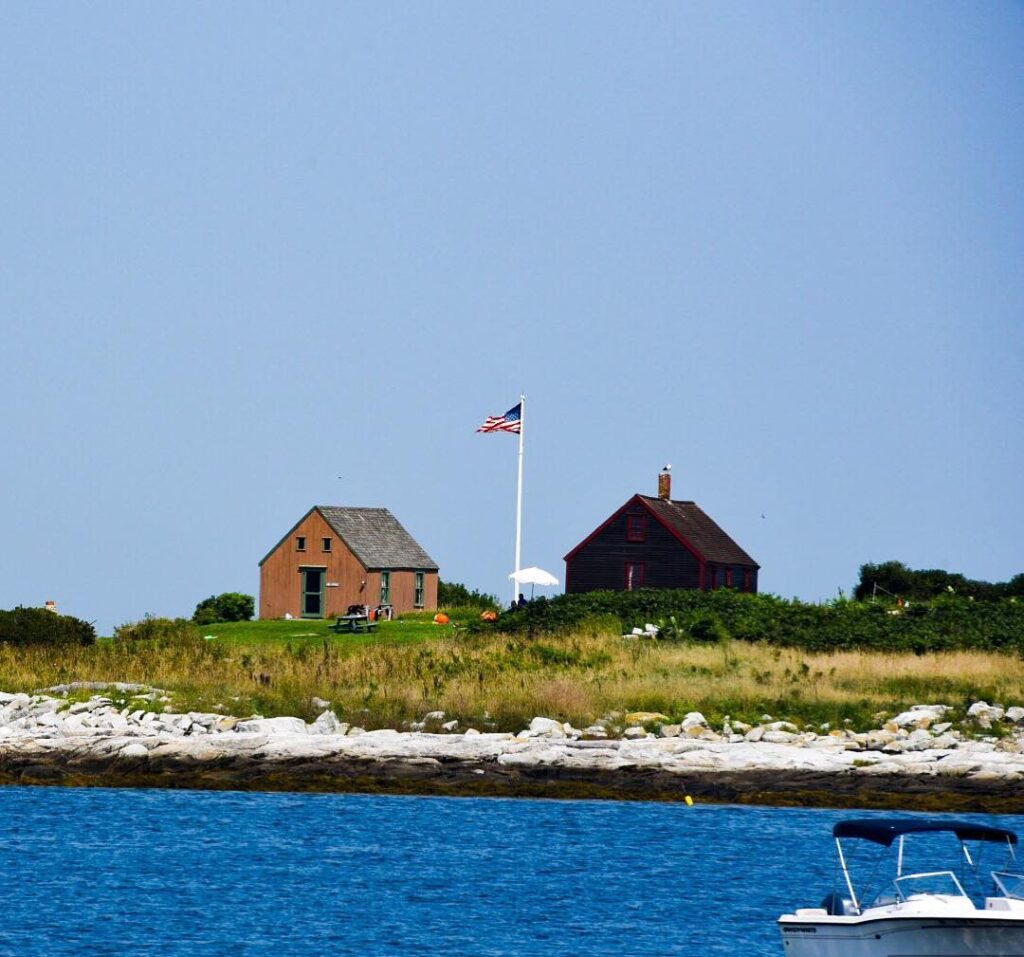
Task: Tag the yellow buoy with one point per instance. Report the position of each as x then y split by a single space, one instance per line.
689 801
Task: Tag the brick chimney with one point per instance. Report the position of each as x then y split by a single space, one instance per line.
665 483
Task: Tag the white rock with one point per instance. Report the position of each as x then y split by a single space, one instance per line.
547 728
754 734
272 726
134 751
984 714
450 725
694 719
327 723
634 733
1015 714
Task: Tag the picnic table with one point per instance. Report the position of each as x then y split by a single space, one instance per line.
353 624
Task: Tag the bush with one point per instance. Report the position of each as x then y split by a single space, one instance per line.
231 606
454 595
948 622
897 580
38 626
166 630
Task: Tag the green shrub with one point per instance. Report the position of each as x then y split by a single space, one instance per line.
454 595
39 626
230 606
894 579
164 630
949 622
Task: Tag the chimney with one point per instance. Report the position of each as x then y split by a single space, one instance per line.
665 483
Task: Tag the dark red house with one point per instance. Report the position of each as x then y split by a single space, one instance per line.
659 543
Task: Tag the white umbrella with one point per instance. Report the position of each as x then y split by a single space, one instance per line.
534 576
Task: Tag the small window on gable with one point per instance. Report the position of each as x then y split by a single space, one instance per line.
636 528
300 543
327 544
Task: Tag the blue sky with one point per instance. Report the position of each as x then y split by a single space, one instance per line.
246 249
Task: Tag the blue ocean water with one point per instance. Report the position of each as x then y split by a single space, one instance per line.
168 873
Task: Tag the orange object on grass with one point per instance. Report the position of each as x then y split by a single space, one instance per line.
441 618
489 615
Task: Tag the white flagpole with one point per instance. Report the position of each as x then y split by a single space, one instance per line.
519 496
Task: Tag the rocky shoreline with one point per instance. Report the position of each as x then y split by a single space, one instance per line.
915 760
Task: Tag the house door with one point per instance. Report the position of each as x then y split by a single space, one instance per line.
312 602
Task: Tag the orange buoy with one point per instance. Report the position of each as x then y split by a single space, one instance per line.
441 618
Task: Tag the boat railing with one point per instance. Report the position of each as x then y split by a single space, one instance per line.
930 883
1009 885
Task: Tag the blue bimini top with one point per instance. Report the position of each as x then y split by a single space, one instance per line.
884 830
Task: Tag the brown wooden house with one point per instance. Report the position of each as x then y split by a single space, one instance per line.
334 557
659 543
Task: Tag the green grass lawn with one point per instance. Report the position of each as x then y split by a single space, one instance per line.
409 629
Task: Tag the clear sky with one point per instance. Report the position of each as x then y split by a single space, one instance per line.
260 256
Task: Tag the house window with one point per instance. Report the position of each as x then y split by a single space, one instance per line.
385 588
634 575
728 578
711 577
636 528
327 544
748 580
418 599
300 543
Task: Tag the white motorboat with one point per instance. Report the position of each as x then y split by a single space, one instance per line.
927 914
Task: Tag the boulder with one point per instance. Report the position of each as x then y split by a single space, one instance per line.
984 714
634 733
1015 714
271 726
328 723
670 730
450 725
546 728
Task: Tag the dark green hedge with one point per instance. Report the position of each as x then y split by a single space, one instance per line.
897 580
230 606
38 626
945 623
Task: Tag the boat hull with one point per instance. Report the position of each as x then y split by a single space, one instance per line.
904 937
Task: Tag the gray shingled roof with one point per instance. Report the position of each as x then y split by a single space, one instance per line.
376 538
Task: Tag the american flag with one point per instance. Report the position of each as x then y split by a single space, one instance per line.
509 422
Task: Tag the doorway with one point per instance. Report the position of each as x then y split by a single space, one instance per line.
312 597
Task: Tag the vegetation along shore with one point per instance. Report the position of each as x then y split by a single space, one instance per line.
727 696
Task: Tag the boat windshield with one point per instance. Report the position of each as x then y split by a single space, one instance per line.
933 883
1009 885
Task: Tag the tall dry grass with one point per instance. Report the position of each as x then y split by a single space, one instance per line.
498 682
